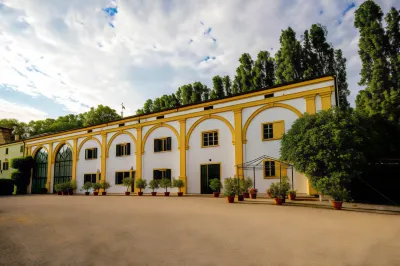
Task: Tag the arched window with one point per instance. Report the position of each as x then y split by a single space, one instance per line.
63 165
40 171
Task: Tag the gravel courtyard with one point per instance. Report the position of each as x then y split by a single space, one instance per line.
119 230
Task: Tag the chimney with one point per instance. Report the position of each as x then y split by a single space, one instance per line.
5 135
16 137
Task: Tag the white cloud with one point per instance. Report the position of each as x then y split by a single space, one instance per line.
65 51
22 113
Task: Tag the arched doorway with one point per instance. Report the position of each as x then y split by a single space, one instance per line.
63 165
40 171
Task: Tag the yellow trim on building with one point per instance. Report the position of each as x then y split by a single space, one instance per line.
326 99
138 156
238 141
146 136
104 151
74 157
278 129
182 154
84 141
58 147
208 132
279 172
310 104
49 166
116 135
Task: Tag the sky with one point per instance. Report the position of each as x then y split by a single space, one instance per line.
59 57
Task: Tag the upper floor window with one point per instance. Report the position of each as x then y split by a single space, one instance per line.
123 149
6 150
91 153
272 130
162 144
5 166
209 138
21 149
162 173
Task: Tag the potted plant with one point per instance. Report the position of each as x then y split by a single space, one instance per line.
154 184
247 184
253 193
71 185
179 184
239 188
58 189
65 188
229 190
105 185
128 183
276 193
141 184
292 194
165 183
87 186
284 187
96 187
216 186
339 195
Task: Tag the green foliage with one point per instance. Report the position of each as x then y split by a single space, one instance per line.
141 184
264 71
105 185
87 186
294 192
334 187
216 184
71 184
23 164
6 186
218 91
128 182
165 183
58 187
21 176
379 53
244 74
154 184
101 114
227 85
280 189
178 183
327 144
96 186
246 183
275 190
230 187
341 78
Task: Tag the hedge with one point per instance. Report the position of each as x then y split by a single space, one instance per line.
6 186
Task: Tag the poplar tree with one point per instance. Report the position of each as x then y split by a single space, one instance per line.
323 51
218 88
197 92
264 70
227 85
341 78
393 34
308 62
187 91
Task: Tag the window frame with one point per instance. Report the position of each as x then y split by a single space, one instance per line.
94 153
164 173
21 149
208 132
5 163
131 173
164 144
275 129
274 176
6 151
125 149
96 174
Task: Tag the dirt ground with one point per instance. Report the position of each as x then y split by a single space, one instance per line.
120 230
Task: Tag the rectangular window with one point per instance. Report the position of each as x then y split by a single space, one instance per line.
6 150
89 178
21 149
268 131
123 149
5 166
163 144
162 173
119 176
269 169
209 138
91 154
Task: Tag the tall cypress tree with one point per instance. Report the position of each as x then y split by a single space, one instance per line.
340 69
393 33
308 62
244 74
197 92
187 91
264 70
324 63
237 85
227 85
288 58
218 90
378 97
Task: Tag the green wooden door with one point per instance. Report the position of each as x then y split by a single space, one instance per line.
207 173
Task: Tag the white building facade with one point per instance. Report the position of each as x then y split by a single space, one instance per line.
194 143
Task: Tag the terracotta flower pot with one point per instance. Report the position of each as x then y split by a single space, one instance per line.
240 198
253 195
127 193
154 193
64 193
180 194
166 193
87 193
140 193
337 205
278 201
283 199
96 193
231 199
59 193
104 193
246 195
216 194
292 196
